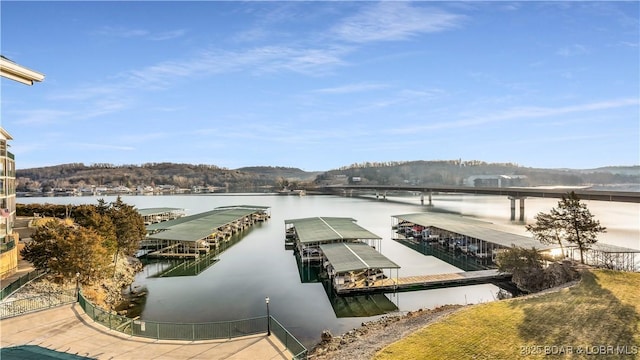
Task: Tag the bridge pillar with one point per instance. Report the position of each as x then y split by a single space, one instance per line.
513 207
429 196
384 195
377 195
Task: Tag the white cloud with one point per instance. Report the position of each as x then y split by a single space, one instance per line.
573 50
167 35
40 116
93 146
129 33
115 95
351 88
519 113
628 44
121 32
309 61
387 21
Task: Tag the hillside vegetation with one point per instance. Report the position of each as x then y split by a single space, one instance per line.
598 318
457 172
185 176
153 174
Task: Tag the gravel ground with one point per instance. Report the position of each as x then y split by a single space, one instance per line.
362 343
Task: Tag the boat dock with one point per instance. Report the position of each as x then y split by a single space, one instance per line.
307 235
191 236
423 282
156 215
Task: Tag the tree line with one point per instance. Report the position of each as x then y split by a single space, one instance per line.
82 242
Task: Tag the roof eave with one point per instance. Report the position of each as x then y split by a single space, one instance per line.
13 71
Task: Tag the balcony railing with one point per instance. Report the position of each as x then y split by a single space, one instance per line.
6 246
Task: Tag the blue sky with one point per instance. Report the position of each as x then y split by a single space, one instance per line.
319 85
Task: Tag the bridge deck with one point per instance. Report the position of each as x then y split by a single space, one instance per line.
518 192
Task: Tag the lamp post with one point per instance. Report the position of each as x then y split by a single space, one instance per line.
266 300
77 286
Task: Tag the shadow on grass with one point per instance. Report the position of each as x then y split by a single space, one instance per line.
585 315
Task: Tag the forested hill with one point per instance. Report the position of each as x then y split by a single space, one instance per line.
480 173
448 172
184 176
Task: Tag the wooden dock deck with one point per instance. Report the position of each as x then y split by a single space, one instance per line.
421 282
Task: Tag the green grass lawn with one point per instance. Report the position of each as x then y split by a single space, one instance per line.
598 318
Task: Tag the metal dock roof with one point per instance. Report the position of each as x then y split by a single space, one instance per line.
158 210
199 226
326 229
355 256
475 229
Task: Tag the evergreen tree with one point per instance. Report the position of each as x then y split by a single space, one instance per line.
129 227
547 229
96 218
580 226
571 221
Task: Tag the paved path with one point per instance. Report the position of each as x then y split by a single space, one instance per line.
68 329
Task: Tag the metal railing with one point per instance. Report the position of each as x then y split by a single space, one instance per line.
6 246
18 283
192 331
35 303
143 328
290 342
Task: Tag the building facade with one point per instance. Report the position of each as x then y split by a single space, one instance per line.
9 239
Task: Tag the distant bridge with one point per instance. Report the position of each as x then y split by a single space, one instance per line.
513 193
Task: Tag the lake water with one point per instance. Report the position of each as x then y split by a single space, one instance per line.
258 265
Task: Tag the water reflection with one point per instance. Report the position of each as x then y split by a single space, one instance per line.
259 265
361 305
455 258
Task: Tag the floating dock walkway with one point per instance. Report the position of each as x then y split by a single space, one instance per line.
422 282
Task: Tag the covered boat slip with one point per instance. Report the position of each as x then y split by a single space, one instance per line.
156 215
189 236
478 239
472 237
356 265
309 233
356 268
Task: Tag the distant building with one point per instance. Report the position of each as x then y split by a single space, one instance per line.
495 180
9 239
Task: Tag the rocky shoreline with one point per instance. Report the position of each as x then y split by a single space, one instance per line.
362 343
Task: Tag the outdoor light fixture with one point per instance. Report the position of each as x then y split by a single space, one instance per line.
266 300
77 286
